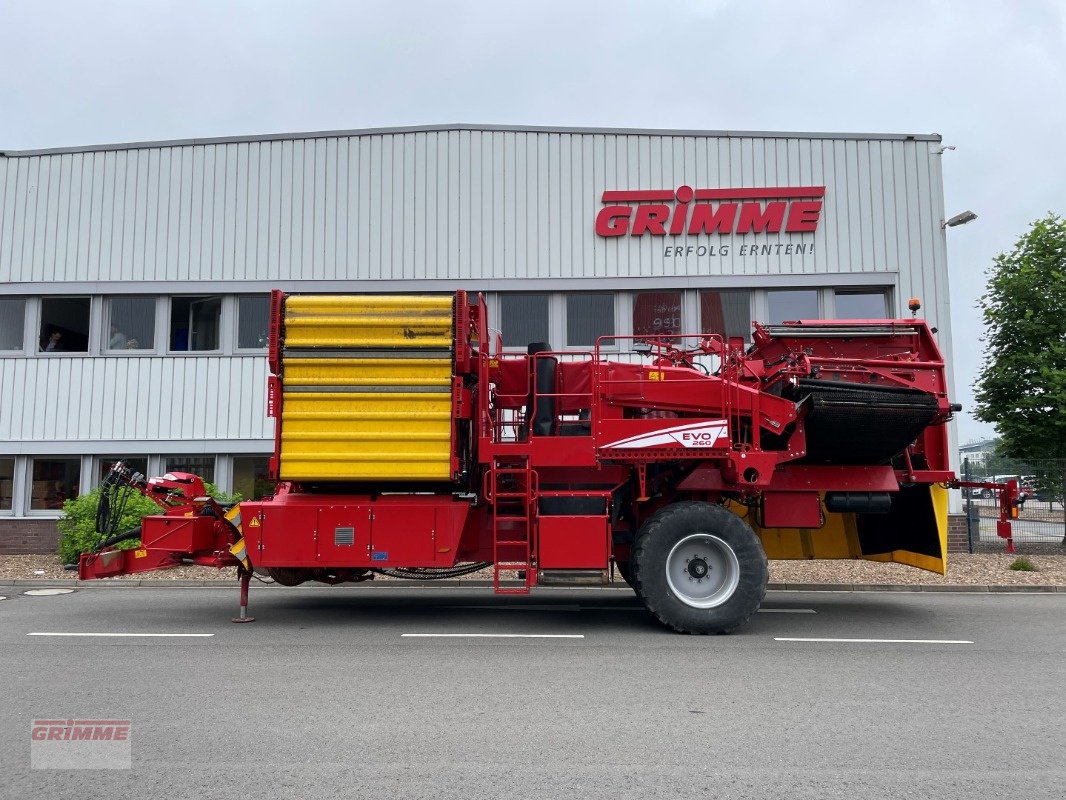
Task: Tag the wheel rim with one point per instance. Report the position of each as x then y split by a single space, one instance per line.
702 571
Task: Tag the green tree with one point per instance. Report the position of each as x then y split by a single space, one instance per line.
1021 388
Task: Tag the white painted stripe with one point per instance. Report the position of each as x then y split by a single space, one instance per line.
787 611
493 635
517 607
875 641
80 633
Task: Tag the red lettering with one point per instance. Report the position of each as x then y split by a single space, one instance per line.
103 732
82 732
803 216
39 733
651 219
55 733
707 219
613 220
754 219
677 224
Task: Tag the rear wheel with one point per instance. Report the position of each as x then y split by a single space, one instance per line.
698 568
625 570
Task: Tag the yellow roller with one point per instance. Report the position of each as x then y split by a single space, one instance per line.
383 321
354 411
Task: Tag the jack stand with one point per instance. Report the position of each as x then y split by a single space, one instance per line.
246 579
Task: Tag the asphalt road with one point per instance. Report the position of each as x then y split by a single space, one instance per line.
323 696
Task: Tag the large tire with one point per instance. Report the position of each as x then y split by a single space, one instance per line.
699 568
625 570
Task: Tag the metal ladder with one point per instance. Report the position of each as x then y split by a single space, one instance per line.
513 488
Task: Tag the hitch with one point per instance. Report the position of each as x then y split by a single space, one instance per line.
1008 505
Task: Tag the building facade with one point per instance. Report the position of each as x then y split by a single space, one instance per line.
134 278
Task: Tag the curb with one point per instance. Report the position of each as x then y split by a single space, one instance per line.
483 584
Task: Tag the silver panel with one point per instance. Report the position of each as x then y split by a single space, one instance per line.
178 399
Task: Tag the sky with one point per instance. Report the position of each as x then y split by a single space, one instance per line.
989 76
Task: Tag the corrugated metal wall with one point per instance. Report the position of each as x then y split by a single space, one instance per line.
50 400
450 204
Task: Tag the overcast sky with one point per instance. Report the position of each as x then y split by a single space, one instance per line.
989 76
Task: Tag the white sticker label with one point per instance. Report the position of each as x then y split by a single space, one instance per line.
694 436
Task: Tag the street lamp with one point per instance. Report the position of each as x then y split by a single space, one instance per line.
958 219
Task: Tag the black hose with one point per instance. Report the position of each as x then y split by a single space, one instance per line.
433 573
135 533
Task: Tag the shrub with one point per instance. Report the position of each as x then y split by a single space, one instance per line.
1022 564
77 526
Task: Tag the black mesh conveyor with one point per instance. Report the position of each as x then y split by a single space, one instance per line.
849 423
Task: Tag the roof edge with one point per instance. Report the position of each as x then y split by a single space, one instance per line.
273 137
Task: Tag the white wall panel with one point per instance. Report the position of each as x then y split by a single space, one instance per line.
178 399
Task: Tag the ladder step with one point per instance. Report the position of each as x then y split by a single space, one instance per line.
512 542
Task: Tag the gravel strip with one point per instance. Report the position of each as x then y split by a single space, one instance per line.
986 569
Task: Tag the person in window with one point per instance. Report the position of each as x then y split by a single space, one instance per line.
53 342
117 340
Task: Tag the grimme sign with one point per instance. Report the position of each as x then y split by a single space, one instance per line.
714 212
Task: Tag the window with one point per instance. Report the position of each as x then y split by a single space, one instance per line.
54 481
135 464
131 323
787 305
523 319
202 466
7 479
861 305
12 321
656 313
253 322
588 316
250 479
64 325
194 323
726 313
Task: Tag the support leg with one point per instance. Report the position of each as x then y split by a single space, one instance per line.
246 579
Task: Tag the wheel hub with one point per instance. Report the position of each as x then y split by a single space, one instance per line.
702 570
698 568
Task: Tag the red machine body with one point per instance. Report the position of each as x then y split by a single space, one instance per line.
827 438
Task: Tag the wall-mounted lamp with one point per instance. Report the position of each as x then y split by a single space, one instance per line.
958 219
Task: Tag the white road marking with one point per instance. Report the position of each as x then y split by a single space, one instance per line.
875 641
493 635
2 597
520 607
787 611
80 633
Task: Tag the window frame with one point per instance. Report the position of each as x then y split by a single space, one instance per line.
237 349
10 512
884 291
105 326
90 335
29 510
564 323
26 300
222 318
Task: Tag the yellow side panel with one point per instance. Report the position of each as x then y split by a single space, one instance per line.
366 436
839 538
385 321
396 372
836 539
